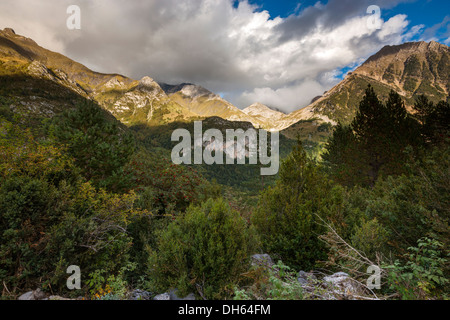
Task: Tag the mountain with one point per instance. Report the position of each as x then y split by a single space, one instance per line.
268 118
45 82
130 101
204 103
259 110
411 69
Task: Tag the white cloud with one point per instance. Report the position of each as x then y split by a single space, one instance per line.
238 51
285 98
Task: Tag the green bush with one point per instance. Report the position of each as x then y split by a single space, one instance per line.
370 238
277 283
167 189
423 275
204 251
99 144
51 218
288 216
416 205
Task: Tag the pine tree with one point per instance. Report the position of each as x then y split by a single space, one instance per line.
403 131
343 161
287 214
423 107
436 126
371 128
374 143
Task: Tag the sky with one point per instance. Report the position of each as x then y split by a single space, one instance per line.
280 53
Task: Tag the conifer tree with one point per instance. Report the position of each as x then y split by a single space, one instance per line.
343 159
371 128
287 214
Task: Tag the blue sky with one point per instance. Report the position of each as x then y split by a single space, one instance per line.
426 12
281 53
433 15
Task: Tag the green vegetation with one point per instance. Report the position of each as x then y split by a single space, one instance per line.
423 273
82 189
99 146
287 214
78 187
204 251
279 282
51 217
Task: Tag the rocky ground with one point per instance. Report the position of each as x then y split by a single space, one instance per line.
315 285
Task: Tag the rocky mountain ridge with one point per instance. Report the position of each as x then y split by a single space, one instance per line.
410 69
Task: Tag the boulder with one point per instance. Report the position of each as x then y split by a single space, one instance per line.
140 295
37 294
263 260
161 297
306 278
27 296
342 285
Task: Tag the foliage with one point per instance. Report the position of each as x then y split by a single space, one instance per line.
165 188
279 282
414 205
286 216
111 288
99 146
51 218
370 237
374 144
434 118
339 156
204 251
423 274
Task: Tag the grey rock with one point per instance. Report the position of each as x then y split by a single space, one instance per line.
262 260
174 296
27 296
305 278
141 295
37 294
336 278
342 285
163 296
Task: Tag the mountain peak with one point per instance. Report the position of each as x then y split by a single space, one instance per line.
410 69
9 30
261 110
147 83
193 91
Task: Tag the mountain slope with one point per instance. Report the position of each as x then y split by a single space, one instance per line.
411 69
46 82
128 100
205 103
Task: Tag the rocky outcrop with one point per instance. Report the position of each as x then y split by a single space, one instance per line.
173 295
263 260
140 295
37 294
338 286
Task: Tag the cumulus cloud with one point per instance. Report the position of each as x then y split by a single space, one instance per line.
238 51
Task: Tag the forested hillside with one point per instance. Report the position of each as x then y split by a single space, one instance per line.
81 189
